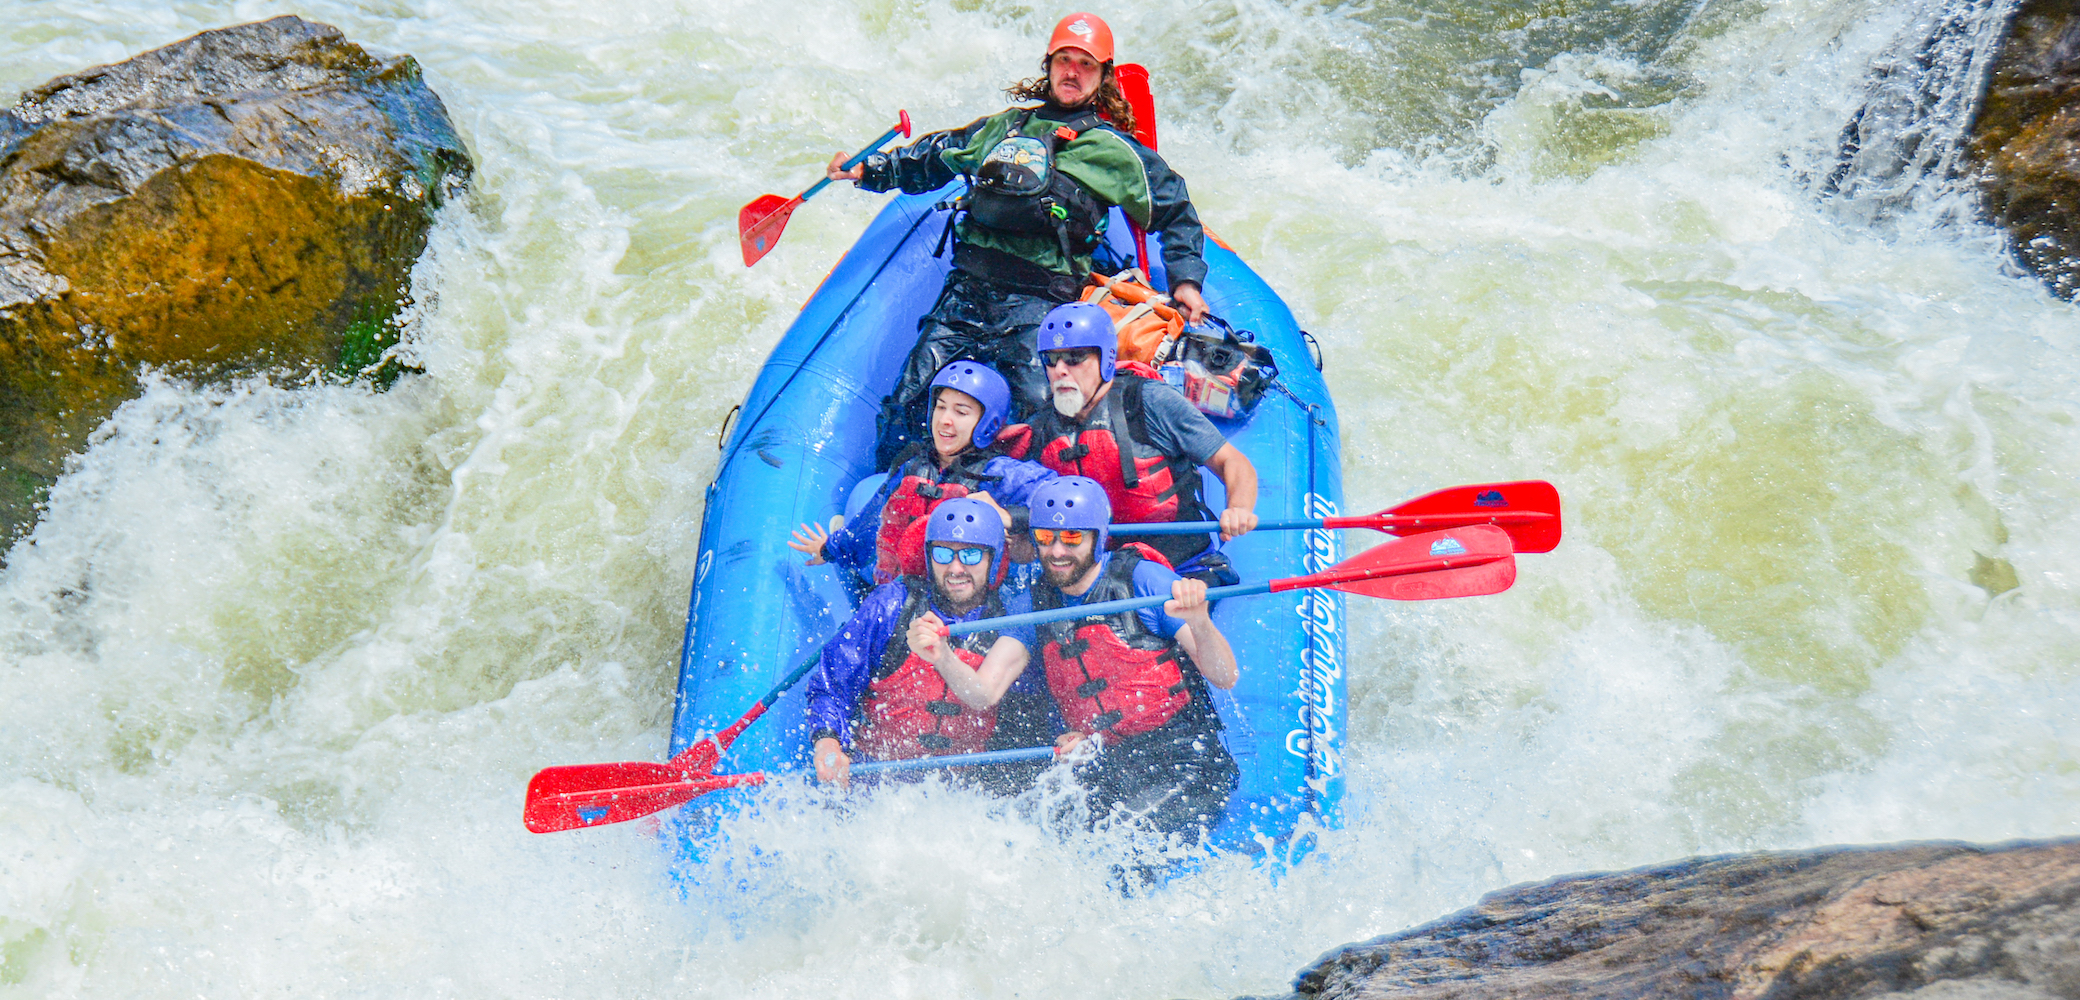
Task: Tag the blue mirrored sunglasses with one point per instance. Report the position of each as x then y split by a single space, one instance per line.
969 557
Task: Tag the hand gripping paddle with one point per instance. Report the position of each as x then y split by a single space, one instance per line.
760 223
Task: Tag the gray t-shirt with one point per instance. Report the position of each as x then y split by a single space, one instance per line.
1175 425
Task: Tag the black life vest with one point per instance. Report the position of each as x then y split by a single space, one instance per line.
1109 674
920 486
1144 485
1018 189
907 710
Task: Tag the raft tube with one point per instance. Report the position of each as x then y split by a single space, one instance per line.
804 437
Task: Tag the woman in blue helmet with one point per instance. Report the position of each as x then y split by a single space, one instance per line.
971 403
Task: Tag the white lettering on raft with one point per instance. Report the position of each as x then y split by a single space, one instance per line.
1321 662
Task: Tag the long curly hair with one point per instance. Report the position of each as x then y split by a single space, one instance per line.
1110 101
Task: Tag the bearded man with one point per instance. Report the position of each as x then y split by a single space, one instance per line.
1043 180
882 690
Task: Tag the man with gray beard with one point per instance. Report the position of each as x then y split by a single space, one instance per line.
1137 437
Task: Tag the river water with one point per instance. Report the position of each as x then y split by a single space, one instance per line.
278 663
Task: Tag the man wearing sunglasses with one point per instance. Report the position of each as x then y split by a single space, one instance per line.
1138 438
883 691
1134 681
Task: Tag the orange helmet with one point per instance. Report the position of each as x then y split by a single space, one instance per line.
1088 32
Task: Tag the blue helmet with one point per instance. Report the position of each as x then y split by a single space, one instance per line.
1079 324
1071 502
964 519
986 386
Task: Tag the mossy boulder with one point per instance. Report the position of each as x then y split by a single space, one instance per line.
248 199
2026 141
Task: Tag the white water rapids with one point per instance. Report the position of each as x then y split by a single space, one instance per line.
277 663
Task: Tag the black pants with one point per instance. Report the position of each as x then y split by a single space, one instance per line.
973 320
1175 780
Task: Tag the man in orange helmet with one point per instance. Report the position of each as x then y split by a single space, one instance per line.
1042 181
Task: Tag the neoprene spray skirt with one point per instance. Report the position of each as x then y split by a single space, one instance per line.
805 435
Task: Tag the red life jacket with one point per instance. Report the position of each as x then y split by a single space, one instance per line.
908 711
1110 674
1112 447
920 486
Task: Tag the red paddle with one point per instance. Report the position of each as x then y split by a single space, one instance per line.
1473 561
1467 562
1132 79
760 223
568 798
1528 510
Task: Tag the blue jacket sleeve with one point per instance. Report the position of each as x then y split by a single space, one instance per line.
853 546
1017 480
848 663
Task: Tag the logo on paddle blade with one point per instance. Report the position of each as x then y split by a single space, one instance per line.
1490 498
592 814
1447 547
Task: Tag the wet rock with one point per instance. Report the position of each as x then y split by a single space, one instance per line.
1929 921
251 198
2026 141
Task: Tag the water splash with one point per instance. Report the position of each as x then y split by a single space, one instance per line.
278 664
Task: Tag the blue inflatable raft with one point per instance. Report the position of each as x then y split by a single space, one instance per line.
805 436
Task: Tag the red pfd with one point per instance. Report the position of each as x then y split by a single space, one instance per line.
920 486
1113 448
1110 674
908 711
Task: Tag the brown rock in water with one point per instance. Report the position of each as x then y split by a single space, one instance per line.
251 198
1929 921
2026 141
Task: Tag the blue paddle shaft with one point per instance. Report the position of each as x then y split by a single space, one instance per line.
955 760
1100 608
857 159
1200 527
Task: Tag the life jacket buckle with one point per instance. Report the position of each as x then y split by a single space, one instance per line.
1065 133
934 741
1090 688
943 709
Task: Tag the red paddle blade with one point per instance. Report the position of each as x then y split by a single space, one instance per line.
1132 79
1472 561
1528 510
760 224
582 795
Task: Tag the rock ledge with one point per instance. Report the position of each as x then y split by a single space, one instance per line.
1938 921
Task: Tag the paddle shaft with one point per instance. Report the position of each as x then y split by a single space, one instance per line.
954 760
1326 578
1378 522
717 782
860 157
723 739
